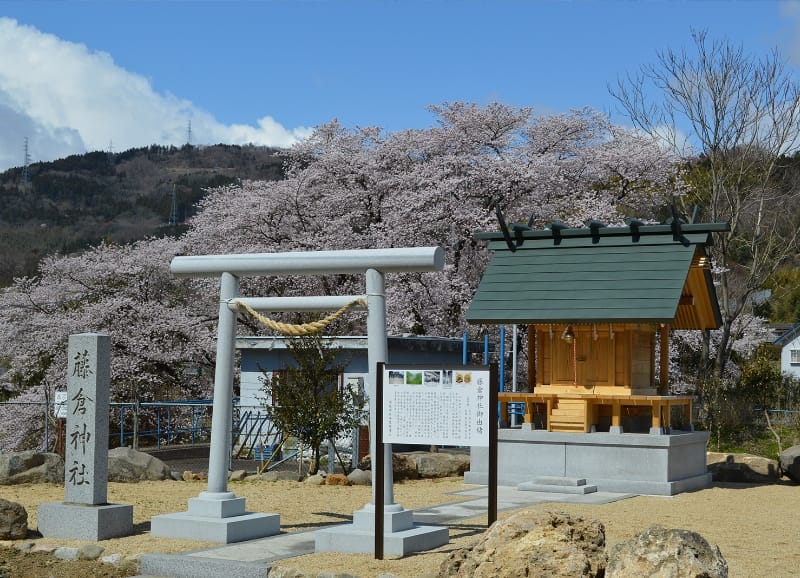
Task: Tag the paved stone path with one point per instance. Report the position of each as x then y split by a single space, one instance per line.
254 557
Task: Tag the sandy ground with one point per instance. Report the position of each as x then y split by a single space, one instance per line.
757 527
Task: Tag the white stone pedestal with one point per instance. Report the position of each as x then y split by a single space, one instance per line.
401 535
84 522
216 517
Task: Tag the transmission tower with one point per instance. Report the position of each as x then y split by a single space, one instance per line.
189 133
173 212
26 176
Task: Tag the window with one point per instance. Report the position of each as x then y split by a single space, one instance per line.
794 356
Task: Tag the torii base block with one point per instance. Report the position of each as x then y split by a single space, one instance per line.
401 535
214 520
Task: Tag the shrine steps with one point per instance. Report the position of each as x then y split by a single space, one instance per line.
568 415
558 485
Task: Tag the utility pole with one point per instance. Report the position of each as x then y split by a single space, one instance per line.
173 212
26 177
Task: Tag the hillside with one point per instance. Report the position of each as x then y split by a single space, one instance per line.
79 201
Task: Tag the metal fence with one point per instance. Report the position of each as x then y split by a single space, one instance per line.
155 423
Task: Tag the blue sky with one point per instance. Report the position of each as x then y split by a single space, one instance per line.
77 76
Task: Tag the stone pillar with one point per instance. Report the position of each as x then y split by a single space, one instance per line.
88 384
217 515
85 513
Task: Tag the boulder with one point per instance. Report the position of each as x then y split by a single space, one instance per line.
237 475
742 468
533 544
359 477
90 552
13 520
403 467
666 552
789 460
31 467
439 464
336 480
129 465
315 480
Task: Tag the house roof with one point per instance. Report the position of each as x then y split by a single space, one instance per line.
788 337
640 273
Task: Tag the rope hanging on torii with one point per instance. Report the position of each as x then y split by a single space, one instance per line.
304 328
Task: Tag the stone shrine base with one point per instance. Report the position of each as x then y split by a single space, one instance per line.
639 463
84 522
401 535
216 518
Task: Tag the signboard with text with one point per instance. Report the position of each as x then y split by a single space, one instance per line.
436 405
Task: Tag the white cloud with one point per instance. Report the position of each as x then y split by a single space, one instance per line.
66 99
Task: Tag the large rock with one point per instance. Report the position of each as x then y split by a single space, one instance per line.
743 468
13 521
413 465
531 544
403 467
439 464
129 465
666 552
789 460
31 467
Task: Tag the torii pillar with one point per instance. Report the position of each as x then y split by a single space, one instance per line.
217 515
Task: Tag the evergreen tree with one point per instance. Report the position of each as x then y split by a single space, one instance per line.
307 401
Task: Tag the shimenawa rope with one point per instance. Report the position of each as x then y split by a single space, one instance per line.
304 328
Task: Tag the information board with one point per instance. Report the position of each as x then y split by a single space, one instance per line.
436 405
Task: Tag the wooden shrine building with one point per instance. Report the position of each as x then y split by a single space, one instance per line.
594 300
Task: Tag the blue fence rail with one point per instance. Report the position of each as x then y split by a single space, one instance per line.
159 423
186 421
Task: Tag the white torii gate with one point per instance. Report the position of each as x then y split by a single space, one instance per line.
217 514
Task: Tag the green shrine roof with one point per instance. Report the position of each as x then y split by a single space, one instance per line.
635 274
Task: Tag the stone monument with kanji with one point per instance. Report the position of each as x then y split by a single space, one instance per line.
85 513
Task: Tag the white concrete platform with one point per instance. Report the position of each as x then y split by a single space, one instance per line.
639 463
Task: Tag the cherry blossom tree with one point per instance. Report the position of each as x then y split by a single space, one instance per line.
345 188
158 330
361 187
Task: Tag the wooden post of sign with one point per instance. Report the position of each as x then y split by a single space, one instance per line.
494 384
377 470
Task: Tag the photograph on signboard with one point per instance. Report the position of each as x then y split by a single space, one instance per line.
413 378
396 378
447 378
463 377
432 378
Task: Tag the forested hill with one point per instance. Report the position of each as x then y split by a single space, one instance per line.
72 203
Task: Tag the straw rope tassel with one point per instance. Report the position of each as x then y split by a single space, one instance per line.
304 328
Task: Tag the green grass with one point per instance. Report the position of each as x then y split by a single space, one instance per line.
755 439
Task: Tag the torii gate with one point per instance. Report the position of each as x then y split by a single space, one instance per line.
217 515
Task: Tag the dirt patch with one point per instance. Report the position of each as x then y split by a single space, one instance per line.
755 526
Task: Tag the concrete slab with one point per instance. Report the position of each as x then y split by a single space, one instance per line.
352 539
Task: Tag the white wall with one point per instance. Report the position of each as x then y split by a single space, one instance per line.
786 364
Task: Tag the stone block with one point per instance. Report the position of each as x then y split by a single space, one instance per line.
85 522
